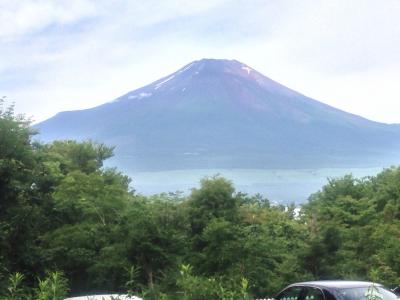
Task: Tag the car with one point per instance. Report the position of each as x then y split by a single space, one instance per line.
336 290
396 290
105 297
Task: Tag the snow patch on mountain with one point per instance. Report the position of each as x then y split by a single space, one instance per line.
246 68
158 85
140 96
186 68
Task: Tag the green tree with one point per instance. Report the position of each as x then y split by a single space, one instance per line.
156 237
20 212
214 199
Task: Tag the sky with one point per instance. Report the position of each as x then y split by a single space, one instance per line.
76 54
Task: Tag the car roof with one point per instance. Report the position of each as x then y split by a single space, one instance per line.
336 284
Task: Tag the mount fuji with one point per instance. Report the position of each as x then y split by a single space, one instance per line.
216 113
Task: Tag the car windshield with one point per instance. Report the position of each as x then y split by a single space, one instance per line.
366 293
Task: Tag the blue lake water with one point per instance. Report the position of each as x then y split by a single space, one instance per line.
280 185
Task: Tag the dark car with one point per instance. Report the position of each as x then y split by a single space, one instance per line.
396 290
336 290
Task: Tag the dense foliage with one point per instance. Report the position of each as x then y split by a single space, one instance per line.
61 211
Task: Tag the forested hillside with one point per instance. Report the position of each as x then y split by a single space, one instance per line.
65 218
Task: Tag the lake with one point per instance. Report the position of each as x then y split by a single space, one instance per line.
279 185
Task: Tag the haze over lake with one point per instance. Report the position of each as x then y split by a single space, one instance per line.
278 185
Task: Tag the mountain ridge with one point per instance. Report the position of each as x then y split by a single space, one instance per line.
235 115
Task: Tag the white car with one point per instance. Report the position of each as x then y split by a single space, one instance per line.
105 297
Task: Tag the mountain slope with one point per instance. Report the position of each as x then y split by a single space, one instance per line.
223 114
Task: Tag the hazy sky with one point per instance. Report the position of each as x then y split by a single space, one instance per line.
66 55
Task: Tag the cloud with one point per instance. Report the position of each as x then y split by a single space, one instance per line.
18 18
342 36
